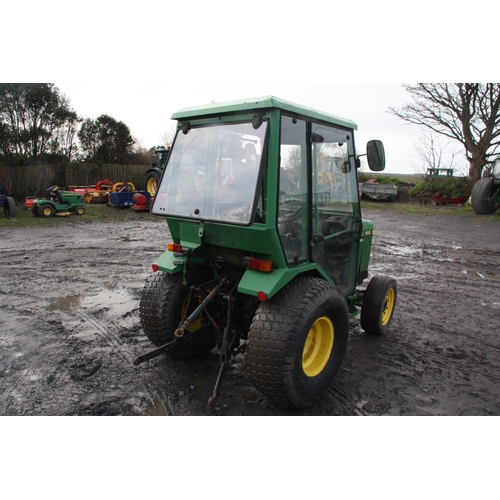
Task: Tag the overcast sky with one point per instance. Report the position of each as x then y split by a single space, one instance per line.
104 57
146 108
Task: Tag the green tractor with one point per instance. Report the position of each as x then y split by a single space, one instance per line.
485 197
58 202
267 258
153 175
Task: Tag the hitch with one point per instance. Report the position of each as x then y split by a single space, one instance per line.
211 296
180 332
229 339
227 345
153 354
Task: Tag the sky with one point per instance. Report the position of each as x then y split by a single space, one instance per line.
146 109
141 62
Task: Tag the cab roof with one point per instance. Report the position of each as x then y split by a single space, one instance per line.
259 104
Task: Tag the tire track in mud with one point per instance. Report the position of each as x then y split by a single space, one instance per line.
110 337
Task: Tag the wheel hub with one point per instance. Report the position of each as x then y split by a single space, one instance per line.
389 305
318 346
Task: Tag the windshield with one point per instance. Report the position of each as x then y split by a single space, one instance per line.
212 174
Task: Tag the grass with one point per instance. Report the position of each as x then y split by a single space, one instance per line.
103 212
93 212
426 210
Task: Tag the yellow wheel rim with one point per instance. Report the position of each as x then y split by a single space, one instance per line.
151 186
389 306
47 211
318 346
198 321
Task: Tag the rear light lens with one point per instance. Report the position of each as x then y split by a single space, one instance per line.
265 266
155 267
262 296
174 247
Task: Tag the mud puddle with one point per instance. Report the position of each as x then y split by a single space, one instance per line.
111 297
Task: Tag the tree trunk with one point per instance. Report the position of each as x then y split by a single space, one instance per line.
475 169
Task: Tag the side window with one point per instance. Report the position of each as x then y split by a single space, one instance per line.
335 218
293 204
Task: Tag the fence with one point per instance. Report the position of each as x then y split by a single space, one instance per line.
20 182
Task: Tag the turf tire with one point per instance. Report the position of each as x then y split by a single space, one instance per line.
46 210
160 309
481 191
278 334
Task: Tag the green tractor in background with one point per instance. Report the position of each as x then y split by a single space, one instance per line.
153 175
485 197
267 258
58 202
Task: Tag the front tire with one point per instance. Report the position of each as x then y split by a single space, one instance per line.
162 307
379 303
482 190
297 342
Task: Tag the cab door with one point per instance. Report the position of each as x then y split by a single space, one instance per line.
336 222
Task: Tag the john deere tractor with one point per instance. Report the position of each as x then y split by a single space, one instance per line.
266 258
58 202
485 197
153 175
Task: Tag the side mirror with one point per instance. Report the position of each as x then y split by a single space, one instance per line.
345 167
376 155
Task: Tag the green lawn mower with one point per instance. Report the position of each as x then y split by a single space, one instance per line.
59 203
269 250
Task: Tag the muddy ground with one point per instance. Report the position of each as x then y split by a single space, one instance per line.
69 323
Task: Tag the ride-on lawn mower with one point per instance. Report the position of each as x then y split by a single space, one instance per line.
268 252
58 202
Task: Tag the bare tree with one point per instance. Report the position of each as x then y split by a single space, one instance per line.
466 112
433 152
168 136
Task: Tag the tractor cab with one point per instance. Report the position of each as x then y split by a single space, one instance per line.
261 200
267 183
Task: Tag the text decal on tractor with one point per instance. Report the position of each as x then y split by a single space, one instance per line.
269 246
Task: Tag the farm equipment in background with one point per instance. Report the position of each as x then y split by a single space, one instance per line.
141 202
94 194
100 194
375 191
58 202
8 203
485 197
263 266
124 195
153 175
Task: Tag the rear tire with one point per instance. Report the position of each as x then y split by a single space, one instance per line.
162 306
481 191
9 207
297 342
152 181
46 210
379 303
